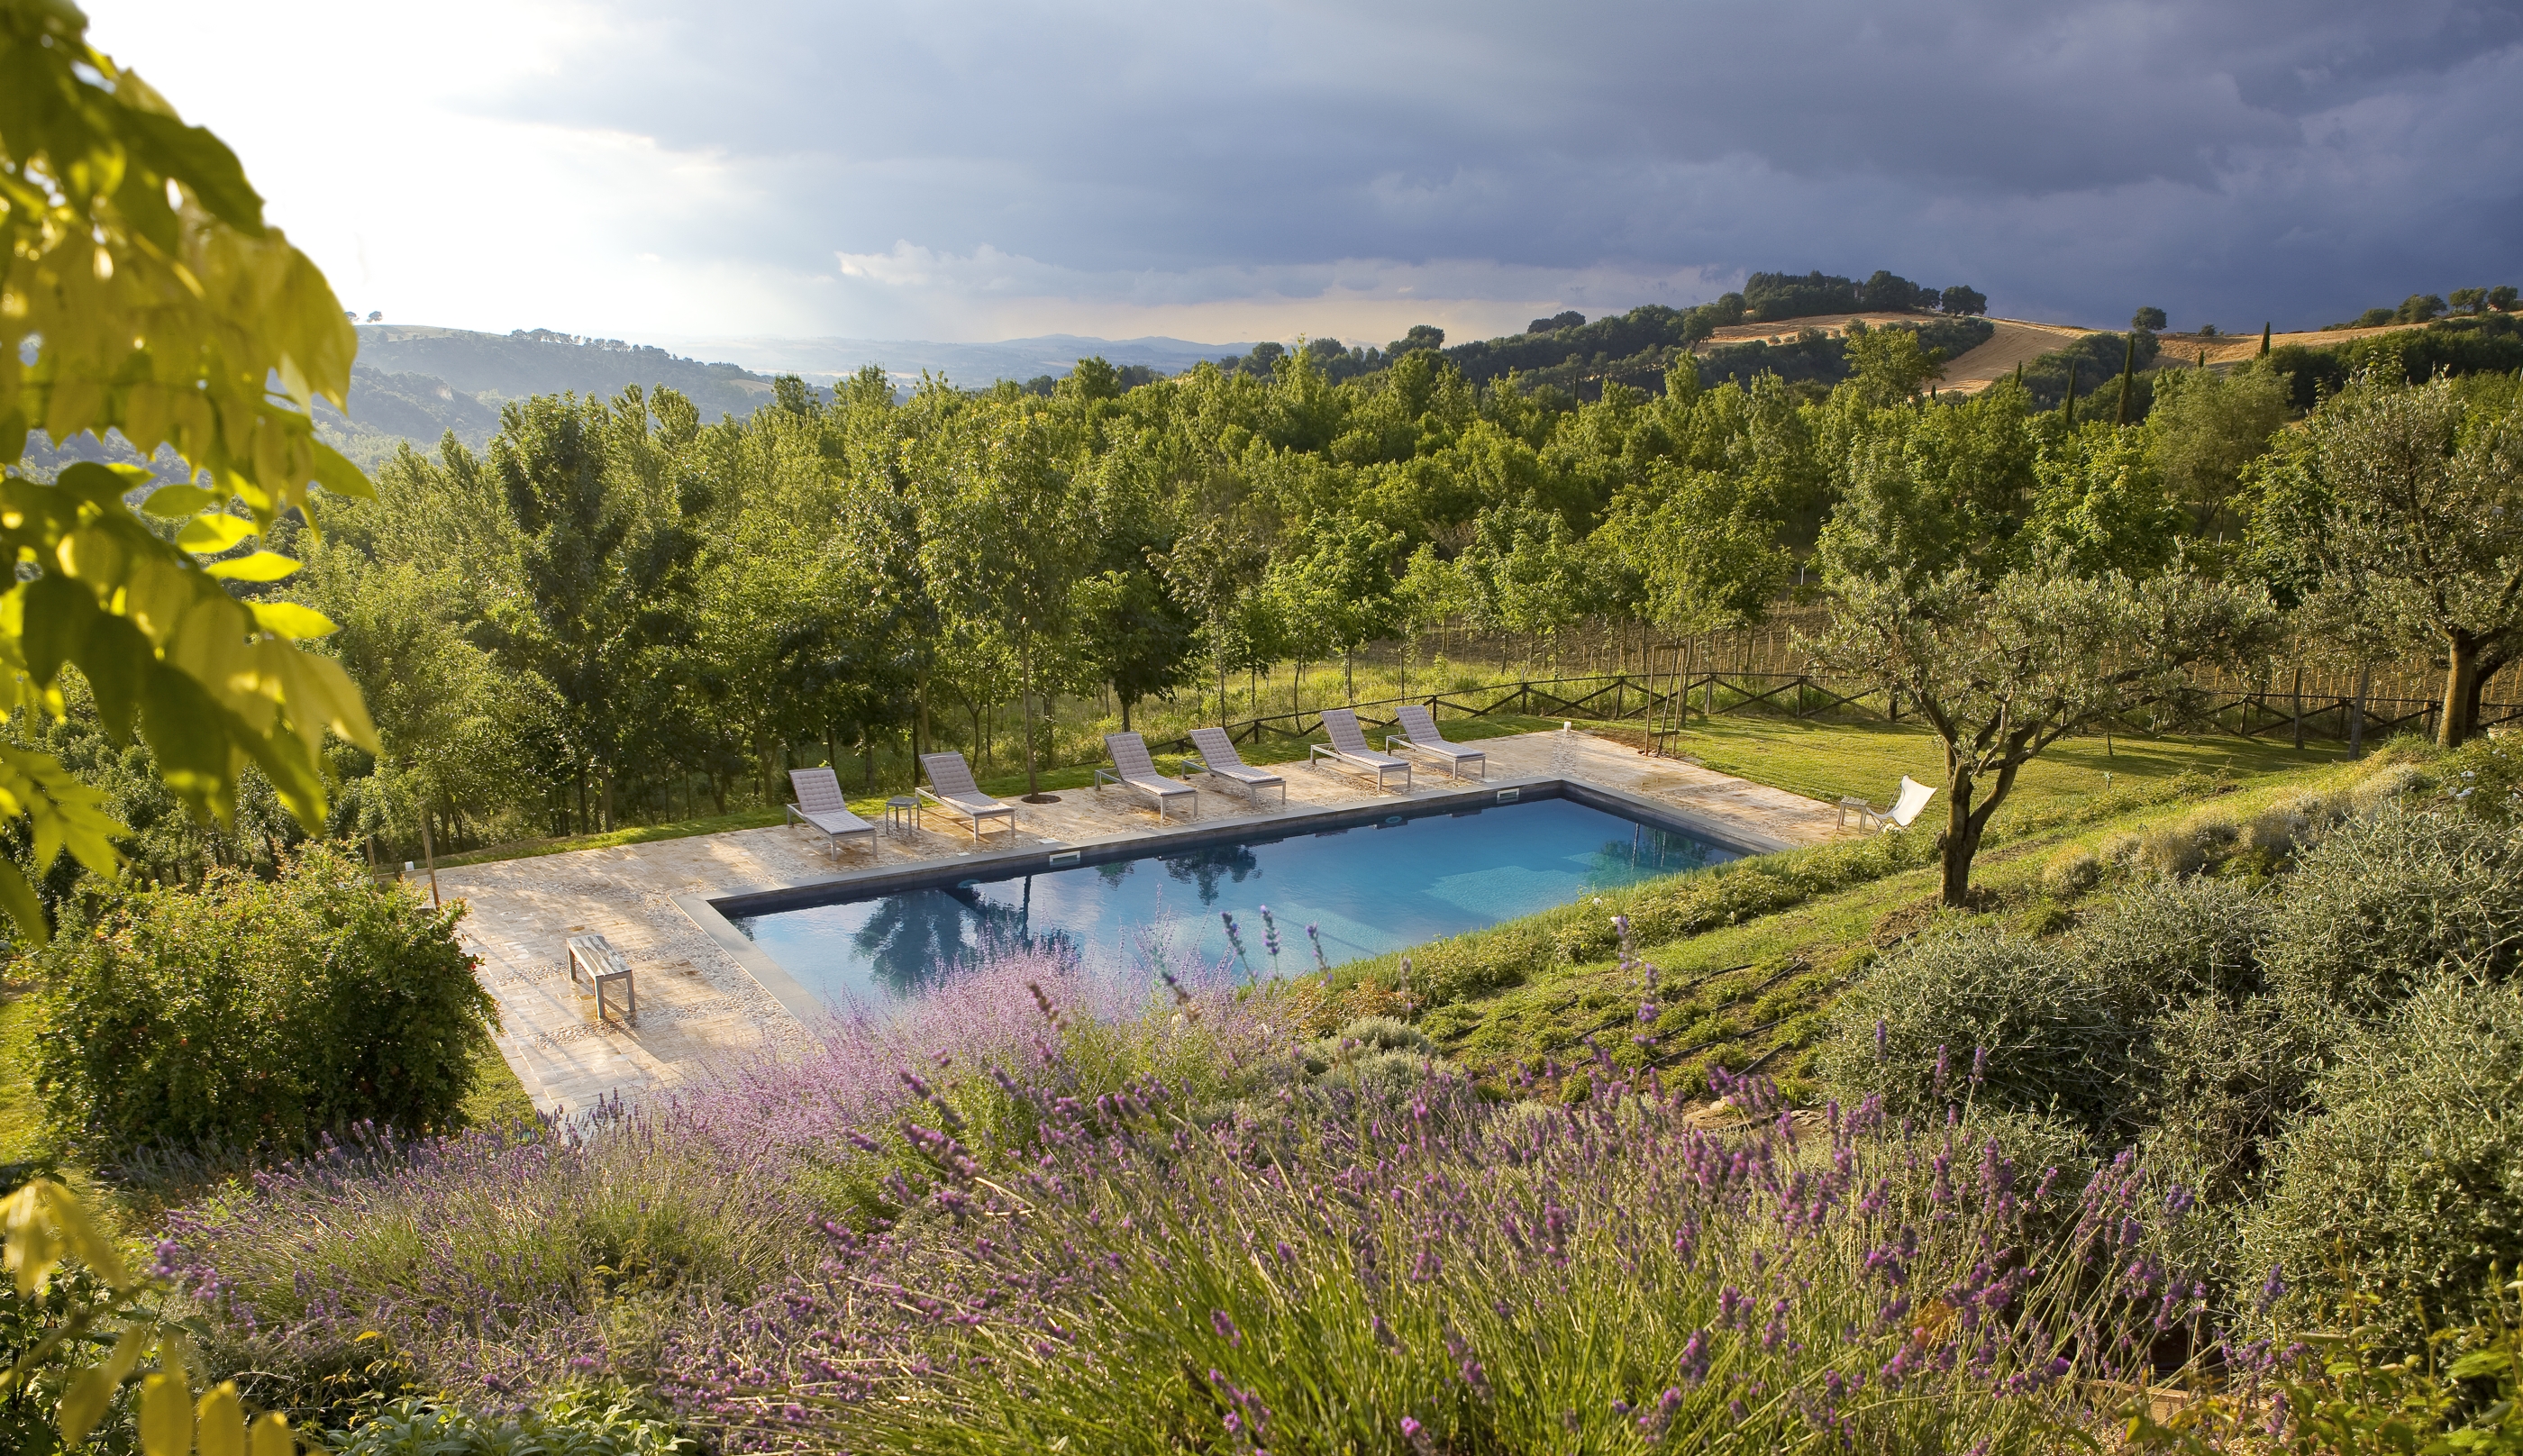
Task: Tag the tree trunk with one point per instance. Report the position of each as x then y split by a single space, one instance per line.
918 718
2356 713
1959 841
1125 714
2460 695
2494 658
1033 775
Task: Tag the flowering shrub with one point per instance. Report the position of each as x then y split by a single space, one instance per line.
495 1260
257 1012
1449 1276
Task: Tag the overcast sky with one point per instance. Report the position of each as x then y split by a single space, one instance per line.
985 170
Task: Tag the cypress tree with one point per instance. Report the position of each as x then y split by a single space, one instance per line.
2264 341
2128 378
2068 407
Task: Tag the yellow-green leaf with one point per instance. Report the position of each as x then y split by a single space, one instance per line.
175 502
93 1390
221 1421
261 565
287 619
208 535
18 899
165 1415
43 1222
271 1437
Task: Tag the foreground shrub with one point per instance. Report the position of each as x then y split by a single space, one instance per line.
2372 911
2224 1079
2165 941
256 1013
1455 1278
2009 1021
2407 1189
492 1261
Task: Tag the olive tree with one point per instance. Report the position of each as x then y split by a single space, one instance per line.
2002 669
2412 527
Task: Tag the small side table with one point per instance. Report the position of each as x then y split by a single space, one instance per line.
1851 804
901 814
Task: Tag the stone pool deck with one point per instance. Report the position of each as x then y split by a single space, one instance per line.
699 1007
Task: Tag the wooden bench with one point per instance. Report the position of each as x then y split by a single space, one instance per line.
596 965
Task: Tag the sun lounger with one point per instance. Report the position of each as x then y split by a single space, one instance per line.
820 806
1419 734
1347 748
955 792
1217 757
1913 796
1134 769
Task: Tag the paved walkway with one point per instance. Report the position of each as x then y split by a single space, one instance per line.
697 1006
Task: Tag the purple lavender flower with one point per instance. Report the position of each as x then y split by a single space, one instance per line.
1694 1364
1225 1328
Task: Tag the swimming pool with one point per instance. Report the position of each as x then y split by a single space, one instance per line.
1366 888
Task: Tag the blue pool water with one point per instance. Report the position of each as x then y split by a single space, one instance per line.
1369 890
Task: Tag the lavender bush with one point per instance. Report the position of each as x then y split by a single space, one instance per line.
1045 1211
496 1261
1450 1275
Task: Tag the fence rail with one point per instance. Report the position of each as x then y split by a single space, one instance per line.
1663 699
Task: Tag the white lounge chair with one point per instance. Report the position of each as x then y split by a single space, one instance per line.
1419 734
1914 797
1347 747
1134 769
820 806
1217 757
955 792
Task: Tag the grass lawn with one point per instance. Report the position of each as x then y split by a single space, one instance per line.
1823 760
1755 994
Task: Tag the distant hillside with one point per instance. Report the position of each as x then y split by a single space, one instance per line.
1569 352
968 365
415 383
539 362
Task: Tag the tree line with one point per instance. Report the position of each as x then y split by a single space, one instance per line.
615 610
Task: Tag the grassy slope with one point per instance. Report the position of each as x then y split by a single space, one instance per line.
1752 993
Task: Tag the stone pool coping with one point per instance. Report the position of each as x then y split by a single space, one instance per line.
707 1003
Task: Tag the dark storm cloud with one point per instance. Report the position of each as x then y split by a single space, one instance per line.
2232 161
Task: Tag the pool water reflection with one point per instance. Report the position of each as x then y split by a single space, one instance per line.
1367 890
